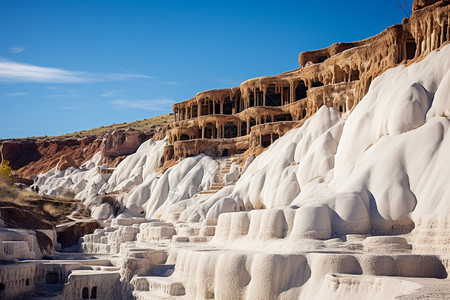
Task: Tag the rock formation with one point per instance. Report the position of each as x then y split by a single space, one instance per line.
229 121
119 144
351 203
65 162
42 155
29 157
69 235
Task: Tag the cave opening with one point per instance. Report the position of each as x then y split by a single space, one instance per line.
230 130
227 106
266 140
184 137
244 128
209 131
411 48
51 278
272 97
284 117
354 75
300 91
94 292
252 123
252 100
317 84
85 293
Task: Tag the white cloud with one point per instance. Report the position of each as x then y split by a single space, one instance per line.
62 96
11 71
157 104
16 49
16 94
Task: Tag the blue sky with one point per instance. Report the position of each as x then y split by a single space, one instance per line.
72 65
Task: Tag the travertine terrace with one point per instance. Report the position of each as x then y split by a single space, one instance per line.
350 201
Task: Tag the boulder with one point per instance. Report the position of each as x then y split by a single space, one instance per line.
65 162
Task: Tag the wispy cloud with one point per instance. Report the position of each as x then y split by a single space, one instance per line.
16 49
112 93
62 92
62 96
16 94
15 129
11 71
157 104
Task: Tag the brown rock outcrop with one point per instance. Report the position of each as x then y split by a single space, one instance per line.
29 157
18 218
65 162
19 152
70 235
160 133
51 151
419 4
120 143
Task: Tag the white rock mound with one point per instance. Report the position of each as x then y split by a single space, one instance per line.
379 170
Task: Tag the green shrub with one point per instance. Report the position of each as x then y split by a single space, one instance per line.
6 172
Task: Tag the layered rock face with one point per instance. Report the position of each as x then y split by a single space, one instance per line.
338 76
117 145
29 157
19 153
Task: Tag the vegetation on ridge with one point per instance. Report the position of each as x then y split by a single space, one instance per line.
145 124
25 203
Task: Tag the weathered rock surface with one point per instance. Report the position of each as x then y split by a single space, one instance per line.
70 235
419 4
29 157
19 152
16 218
122 143
65 162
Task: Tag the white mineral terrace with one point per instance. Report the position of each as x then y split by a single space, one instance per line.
347 206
